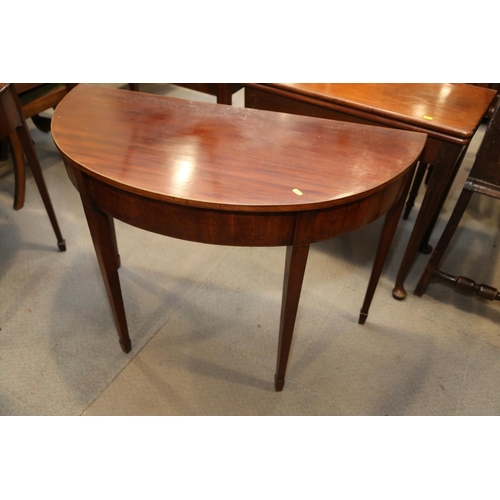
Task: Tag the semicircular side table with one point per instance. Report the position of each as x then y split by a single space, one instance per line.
229 176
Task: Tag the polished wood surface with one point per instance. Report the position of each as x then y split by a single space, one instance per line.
448 113
229 176
13 125
440 109
196 154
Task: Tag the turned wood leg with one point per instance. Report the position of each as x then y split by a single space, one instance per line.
443 242
295 266
36 169
103 236
442 176
390 224
470 286
19 170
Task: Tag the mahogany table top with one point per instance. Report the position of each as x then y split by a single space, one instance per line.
453 109
225 158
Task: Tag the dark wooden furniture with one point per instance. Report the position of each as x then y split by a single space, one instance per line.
13 125
448 113
34 99
223 91
484 178
496 88
229 176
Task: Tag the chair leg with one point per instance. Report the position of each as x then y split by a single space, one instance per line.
19 170
25 138
443 242
467 285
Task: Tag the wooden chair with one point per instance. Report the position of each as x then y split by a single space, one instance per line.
34 98
484 178
13 125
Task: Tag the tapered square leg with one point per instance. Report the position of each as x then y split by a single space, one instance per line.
103 236
390 224
295 267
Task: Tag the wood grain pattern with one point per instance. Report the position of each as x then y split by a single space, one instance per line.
202 155
454 109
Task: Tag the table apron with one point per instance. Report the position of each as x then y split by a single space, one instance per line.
234 228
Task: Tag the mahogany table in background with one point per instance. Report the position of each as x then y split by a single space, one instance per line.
448 113
229 176
223 91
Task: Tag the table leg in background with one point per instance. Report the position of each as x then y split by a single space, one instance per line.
439 185
424 246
